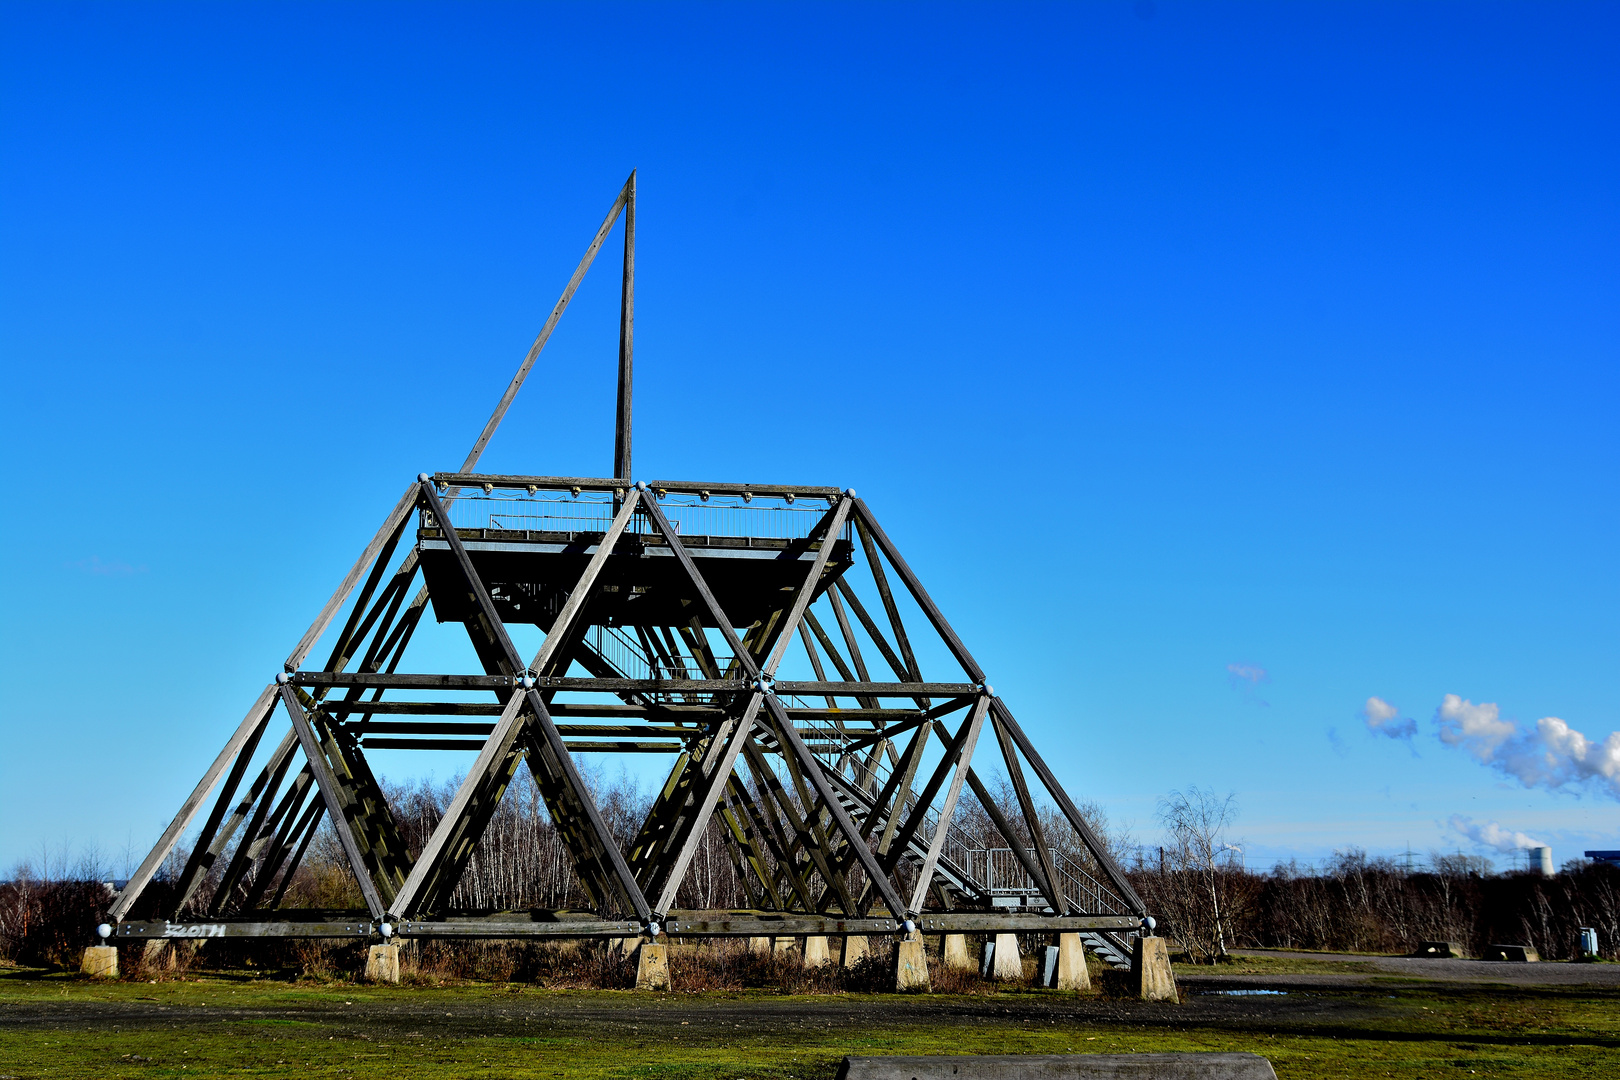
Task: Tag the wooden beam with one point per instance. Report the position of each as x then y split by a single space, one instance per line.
964 755
1098 851
545 331
919 594
498 749
881 580
1032 817
627 322
251 727
333 798
874 872
407 503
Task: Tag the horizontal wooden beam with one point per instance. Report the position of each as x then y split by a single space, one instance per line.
878 689
360 926
451 727
378 680
679 924
366 680
580 746
697 487
509 482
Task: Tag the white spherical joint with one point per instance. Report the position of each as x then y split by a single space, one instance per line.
653 929
386 930
850 492
104 931
282 678
423 477
989 691
527 682
910 926
641 485
1148 923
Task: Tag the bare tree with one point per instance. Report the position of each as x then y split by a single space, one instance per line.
1191 885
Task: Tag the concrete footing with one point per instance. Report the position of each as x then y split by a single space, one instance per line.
159 955
382 963
953 952
652 966
1439 950
100 961
759 945
1006 964
785 945
1151 977
855 948
911 964
1518 954
1072 973
815 951
1059 1067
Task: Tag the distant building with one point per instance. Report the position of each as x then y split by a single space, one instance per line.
1604 856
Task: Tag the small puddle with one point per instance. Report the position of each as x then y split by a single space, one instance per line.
1245 993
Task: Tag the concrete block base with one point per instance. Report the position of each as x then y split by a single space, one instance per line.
1007 965
759 946
855 947
100 961
382 963
652 966
159 955
1059 1067
953 953
1439 950
1072 973
1517 954
785 945
911 964
815 951
1151 977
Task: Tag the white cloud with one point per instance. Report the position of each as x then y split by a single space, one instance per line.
1252 674
1553 756
1492 835
1385 719
1479 729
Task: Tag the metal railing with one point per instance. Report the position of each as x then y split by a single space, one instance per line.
996 872
553 512
625 653
1001 872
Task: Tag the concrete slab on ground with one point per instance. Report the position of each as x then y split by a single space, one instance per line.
1211 1066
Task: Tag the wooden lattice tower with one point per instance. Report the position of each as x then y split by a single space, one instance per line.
669 609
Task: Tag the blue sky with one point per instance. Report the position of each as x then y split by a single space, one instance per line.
1218 366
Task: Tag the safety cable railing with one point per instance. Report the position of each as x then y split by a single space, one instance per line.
560 513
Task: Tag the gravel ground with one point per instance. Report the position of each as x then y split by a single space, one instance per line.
1464 971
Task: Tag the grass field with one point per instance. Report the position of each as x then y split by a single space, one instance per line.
228 1025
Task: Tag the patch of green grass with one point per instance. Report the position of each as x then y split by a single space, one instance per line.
1278 965
223 1027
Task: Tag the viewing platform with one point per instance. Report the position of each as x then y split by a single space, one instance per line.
531 537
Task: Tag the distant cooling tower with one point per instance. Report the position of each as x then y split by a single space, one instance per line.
1541 859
